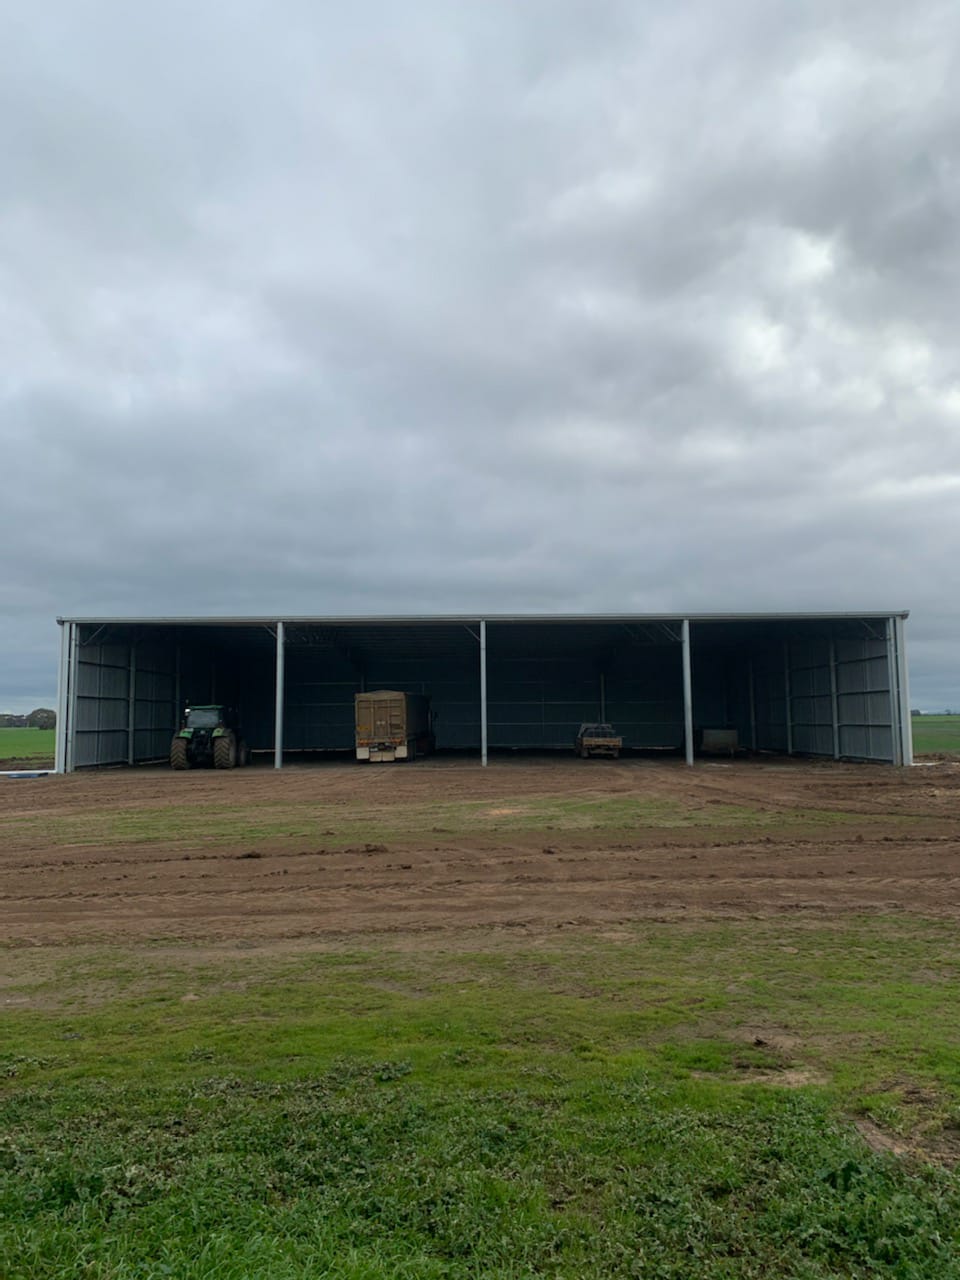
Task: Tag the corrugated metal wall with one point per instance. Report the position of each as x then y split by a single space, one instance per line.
107 729
102 704
820 693
866 713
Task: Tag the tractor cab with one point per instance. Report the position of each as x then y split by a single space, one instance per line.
209 717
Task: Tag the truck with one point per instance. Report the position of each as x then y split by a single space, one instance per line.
391 725
598 740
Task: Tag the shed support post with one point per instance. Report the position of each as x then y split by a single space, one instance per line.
687 691
177 703
131 702
483 693
834 700
752 687
278 710
73 665
896 710
787 696
603 698
906 717
62 681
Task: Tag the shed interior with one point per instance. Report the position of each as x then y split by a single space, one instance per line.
828 685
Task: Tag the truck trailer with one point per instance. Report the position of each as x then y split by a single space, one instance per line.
392 725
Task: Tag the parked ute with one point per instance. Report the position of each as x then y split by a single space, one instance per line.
598 740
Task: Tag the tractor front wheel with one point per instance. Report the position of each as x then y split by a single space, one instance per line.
179 755
225 752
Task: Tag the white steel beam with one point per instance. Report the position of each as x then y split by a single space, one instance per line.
63 669
483 693
687 691
73 663
906 717
278 709
893 680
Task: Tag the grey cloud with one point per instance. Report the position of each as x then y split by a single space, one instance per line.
692 268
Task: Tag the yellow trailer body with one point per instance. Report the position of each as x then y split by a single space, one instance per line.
392 725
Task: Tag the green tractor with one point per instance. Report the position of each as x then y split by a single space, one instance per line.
209 736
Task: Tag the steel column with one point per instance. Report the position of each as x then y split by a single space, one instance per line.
131 702
603 698
177 703
893 680
278 709
73 664
834 701
906 716
787 696
62 680
753 706
687 690
483 693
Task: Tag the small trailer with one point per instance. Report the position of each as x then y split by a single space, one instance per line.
391 725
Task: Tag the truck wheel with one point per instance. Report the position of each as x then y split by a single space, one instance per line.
225 752
179 756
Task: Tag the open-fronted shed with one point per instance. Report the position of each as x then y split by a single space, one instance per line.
827 684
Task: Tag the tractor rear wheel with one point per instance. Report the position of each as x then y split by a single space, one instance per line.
243 754
179 756
225 751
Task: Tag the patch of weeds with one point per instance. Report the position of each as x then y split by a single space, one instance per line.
232 1178
14 1064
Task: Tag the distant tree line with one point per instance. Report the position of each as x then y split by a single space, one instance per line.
41 718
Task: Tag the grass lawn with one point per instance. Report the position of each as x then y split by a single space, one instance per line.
933 734
27 744
664 1100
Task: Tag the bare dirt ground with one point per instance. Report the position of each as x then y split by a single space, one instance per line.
147 854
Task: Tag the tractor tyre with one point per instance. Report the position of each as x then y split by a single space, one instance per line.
243 754
225 752
179 754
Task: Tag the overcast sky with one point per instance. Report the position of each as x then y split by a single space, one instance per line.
545 305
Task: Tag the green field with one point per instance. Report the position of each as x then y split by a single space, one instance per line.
28 744
675 1101
933 734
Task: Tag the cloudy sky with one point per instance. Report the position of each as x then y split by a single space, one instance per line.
553 305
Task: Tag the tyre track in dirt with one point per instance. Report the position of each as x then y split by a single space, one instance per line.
878 859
